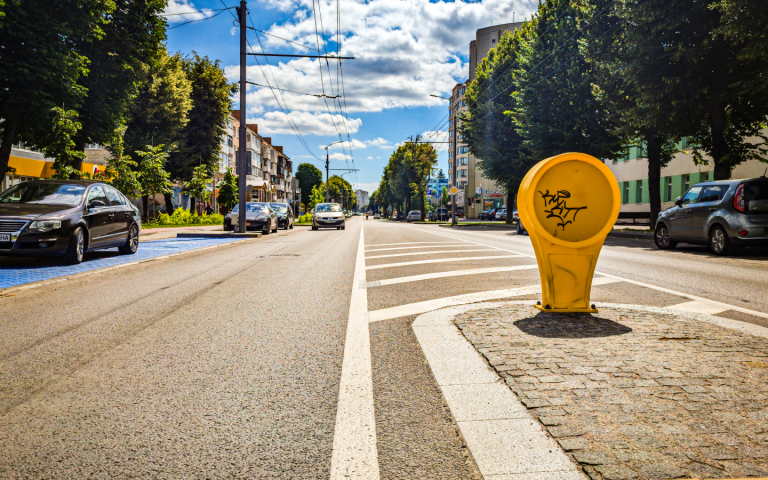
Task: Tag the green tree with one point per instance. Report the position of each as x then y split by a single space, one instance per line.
152 175
228 190
705 72
316 196
309 176
41 64
492 136
121 169
160 110
133 36
199 141
197 186
555 109
61 147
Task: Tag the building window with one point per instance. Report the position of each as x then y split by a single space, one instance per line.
625 195
669 188
639 192
686 182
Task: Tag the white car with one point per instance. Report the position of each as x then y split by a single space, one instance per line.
413 216
328 215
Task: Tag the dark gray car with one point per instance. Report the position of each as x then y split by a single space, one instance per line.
722 214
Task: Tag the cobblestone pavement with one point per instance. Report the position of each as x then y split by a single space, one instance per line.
632 394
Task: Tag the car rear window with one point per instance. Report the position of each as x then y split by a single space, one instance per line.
756 196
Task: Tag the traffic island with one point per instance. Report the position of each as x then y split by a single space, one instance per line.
219 235
634 392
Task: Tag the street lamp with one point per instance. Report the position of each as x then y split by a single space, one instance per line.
453 162
342 190
327 164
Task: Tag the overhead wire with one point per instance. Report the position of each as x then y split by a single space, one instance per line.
199 19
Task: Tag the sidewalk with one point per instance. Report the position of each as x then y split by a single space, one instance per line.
170 232
634 392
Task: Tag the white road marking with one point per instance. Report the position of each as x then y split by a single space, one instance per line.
455 273
438 260
447 245
429 305
354 453
502 436
699 307
410 254
634 282
403 243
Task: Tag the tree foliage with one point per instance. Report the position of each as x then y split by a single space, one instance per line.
153 177
121 169
228 190
309 176
197 186
61 147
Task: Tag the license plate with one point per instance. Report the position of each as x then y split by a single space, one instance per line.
5 237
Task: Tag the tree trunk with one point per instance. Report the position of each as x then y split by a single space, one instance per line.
145 211
9 134
512 188
719 148
80 147
653 145
423 203
168 203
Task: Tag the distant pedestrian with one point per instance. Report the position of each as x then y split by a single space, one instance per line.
200 208
208 208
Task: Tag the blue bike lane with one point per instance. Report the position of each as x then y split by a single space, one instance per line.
18 271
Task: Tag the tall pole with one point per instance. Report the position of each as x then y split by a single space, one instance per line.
242 156
327 186
453 170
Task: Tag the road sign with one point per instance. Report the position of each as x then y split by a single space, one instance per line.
453 190
479 190
437 195
568 203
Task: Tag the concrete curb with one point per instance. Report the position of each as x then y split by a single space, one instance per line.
639 235
476 225
219 235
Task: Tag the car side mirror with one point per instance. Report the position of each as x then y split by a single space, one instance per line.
96 204
679 201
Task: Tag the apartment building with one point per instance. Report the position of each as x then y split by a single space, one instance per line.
362 198
476 193
30 164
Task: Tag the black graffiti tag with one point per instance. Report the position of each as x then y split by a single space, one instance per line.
558 208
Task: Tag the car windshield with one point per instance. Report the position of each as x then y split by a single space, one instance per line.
279 207
251 207
328 207
44 194
414 212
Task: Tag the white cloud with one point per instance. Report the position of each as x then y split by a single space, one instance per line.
339 156
308 123
368 187
435 136
369 158
187 9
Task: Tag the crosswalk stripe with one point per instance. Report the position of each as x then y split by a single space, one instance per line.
404 243
429 305
448 245
430 253
439 260
454 273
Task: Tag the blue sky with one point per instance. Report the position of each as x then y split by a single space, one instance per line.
405 50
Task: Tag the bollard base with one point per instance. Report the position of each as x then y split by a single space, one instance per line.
565 310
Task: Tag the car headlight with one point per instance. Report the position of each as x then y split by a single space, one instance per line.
45 225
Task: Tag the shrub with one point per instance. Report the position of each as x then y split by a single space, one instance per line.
183 217
306 218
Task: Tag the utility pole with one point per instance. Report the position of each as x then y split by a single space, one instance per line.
327 185
453 169
241 157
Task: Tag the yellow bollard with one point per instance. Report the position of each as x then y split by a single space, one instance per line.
568 203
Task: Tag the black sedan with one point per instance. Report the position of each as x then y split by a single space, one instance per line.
284 215
258 216
68 218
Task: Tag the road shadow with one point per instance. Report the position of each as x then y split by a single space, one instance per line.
11 263
570 325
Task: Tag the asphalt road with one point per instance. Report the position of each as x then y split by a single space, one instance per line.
227 362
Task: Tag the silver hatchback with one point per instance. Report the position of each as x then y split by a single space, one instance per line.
722 214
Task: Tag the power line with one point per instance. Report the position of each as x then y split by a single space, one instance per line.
286 90
196 12
284 39
199 19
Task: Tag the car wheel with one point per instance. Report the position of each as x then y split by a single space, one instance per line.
76 249
338 228
662 239
266 232
132 243
291 225
343 227
718 241
275 229
286 225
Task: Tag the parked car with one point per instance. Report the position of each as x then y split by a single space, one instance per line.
328 215
413 216
66 218
284 215
520 227
722 214
258 216
377 216
501 214
441 215
228 222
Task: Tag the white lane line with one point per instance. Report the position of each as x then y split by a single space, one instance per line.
410 254
696 306
725 306
403 243
505 441
429 305
455 273
438 260
447 245
354 453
